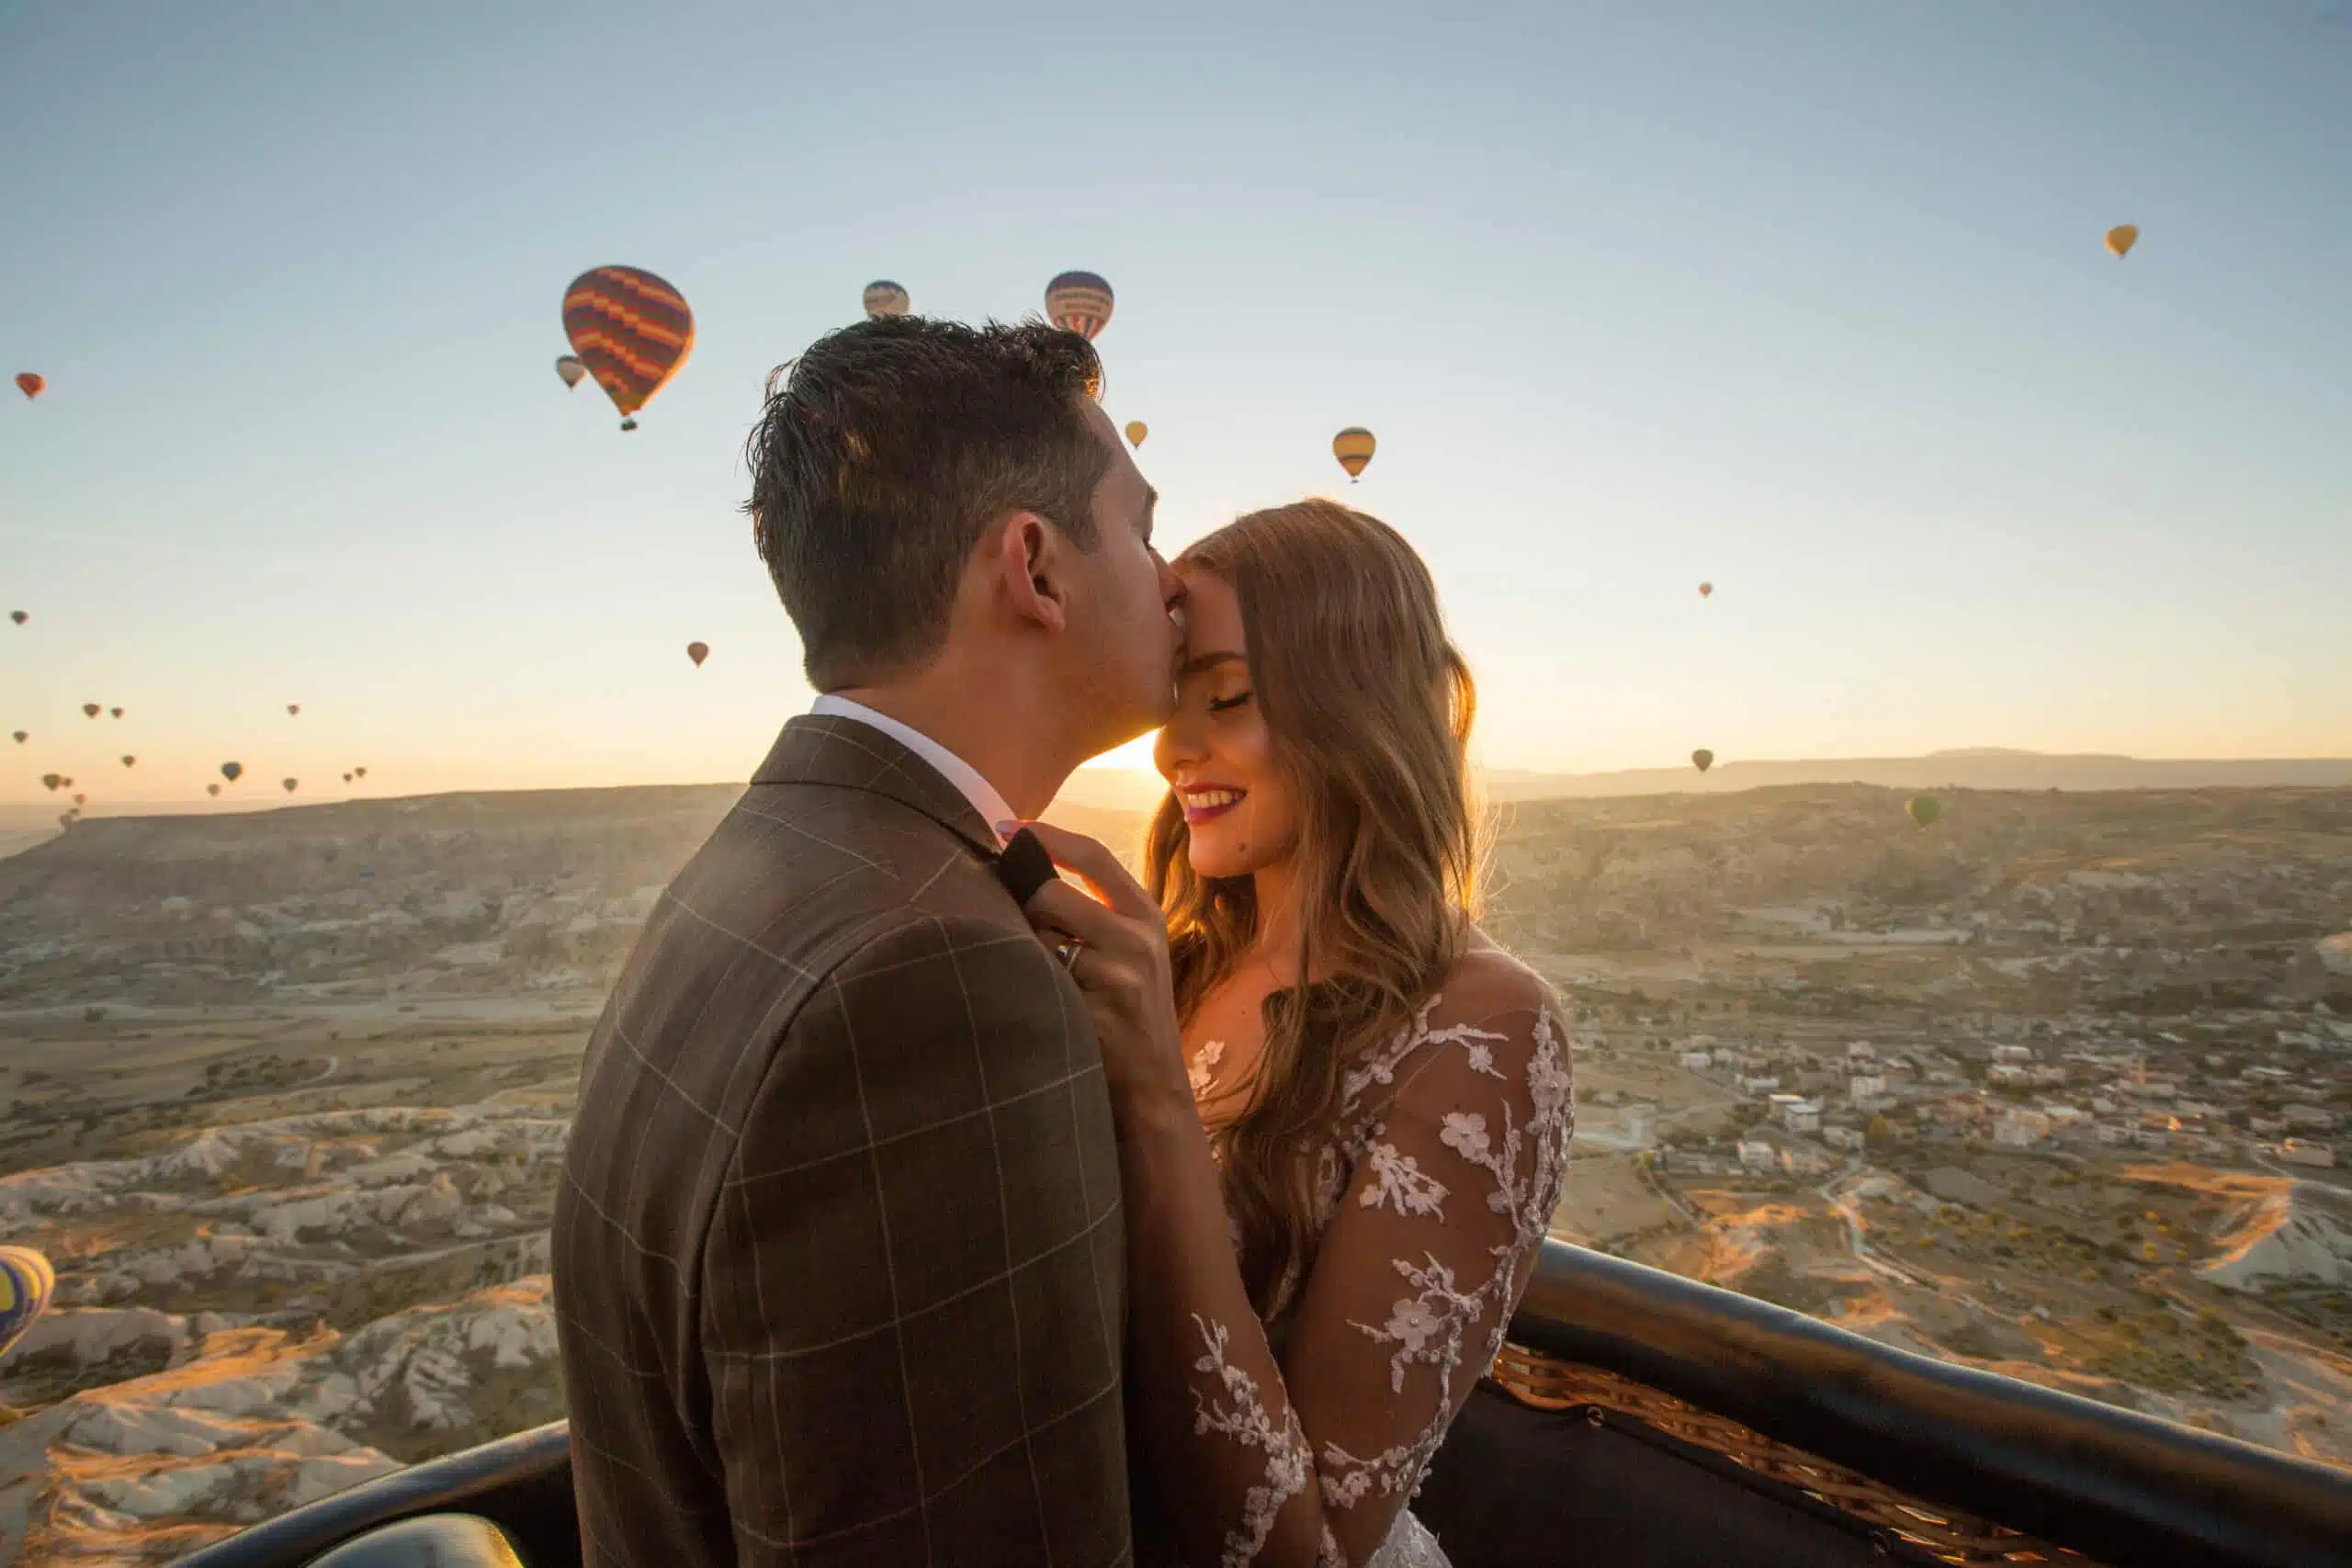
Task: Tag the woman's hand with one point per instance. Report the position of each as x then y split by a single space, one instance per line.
1122 967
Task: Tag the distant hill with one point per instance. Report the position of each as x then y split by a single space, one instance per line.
1976 768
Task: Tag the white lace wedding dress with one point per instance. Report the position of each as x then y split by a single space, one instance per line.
1433 1201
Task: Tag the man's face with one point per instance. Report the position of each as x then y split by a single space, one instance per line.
1125 636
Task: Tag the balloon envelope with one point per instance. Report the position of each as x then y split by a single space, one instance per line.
884 298
212 789
1706 590
571 368
117 712
19 616
293 707
51 781
128 759
1925 808
359 773
90 709
231 771
1136 431
290 784
32 386
631 330
20 738
1079 302
27 1282
2121 238
697 651
1702 759
1353 447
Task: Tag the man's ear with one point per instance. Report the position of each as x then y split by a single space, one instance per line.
1030 563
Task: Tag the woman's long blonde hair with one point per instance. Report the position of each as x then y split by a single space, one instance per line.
1368 706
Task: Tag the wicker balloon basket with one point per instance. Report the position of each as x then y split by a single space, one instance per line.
1539 1380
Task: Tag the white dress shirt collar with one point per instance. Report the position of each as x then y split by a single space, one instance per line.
954 769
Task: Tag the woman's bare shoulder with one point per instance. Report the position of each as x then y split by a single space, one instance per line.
1488 978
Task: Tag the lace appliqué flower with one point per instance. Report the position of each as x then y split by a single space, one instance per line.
1243 1417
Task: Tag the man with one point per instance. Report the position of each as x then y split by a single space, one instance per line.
838 1255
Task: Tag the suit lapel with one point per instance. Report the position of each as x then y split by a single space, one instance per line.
841 753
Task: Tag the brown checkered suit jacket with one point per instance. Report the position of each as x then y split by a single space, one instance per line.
839 1254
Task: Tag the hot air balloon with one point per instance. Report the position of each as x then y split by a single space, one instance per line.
69 780
81 800
1136 431
346 778
117 712
2121 238
230 770
697 651
1706 590
571 369
1925 809
128 759
20 738
32 386
19 616
1079 302
359 773
290 784
1353 447
212 789
1702 759
89 710
884 298
293 707
27 1282
51 781
632 331
67 819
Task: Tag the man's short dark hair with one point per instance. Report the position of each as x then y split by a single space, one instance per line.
888 448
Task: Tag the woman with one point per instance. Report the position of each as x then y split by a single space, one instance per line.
1343 1113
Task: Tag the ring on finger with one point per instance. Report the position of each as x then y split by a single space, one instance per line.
1069 953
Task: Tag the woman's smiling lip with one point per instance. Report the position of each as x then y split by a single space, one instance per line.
1207 802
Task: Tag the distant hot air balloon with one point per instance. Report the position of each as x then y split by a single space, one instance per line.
1136 431
884 298
27 1282
632 329
359 773
231 771
1706 590
2121 238
67 819
69 780
19 616
81 800
212 789
1925 809
1353 447
90 710
1079 302
1702 759
290 784
128 759
697 651
571 368
32 386
293 707
117 712
346 778
20 738
51 781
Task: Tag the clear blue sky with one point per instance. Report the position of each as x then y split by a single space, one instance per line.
1807 301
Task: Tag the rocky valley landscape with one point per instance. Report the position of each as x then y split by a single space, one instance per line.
2062 1087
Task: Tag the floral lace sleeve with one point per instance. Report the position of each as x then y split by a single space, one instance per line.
1424 1259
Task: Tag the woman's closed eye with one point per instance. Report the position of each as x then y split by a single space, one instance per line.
1223 705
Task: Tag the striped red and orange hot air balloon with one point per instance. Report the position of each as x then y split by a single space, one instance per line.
631 330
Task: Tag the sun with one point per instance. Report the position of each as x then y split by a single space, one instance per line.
1136 753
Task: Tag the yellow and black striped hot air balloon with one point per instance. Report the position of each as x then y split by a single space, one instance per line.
631 330
1353 447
